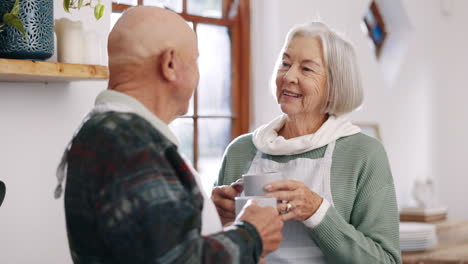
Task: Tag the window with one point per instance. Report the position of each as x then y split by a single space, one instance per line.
375 28
219 109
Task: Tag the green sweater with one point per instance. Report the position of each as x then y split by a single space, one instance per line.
363 224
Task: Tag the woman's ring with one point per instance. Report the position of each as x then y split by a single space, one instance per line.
288 207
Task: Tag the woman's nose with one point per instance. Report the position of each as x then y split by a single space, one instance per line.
291 75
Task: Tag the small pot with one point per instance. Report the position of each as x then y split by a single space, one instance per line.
38 19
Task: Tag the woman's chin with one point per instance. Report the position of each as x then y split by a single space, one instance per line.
288 110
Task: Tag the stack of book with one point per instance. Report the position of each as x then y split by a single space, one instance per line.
420 214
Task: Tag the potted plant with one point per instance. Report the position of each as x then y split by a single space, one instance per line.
27 26
11 18
71 38
78 4
27 29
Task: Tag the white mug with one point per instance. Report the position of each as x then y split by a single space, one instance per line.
254 184
262 201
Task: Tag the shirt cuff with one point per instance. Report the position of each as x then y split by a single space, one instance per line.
319 215
249 228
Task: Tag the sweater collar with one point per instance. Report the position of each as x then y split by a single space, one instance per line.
110 100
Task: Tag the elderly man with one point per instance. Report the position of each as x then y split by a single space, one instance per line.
130 197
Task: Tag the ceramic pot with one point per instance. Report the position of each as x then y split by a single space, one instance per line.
38 19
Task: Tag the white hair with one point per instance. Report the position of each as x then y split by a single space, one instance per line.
344 93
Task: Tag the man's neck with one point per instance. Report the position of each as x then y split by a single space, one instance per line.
160 105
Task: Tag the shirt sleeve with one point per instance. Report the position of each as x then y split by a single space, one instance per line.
146 213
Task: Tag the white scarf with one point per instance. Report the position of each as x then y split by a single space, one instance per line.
267 140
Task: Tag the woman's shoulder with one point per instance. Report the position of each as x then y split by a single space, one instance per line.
361 145
242 142
241 147
361 141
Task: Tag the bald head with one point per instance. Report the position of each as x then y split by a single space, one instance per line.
144 32
153 58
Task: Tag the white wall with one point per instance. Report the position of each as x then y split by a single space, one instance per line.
36 122
451 109
413 109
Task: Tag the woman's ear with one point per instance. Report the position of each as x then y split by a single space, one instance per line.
168 64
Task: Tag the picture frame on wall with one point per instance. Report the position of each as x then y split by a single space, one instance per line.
369 128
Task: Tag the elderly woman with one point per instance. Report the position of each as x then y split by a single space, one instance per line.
341 199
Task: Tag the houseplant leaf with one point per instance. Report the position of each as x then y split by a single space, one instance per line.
13 20
98 11
66 5
16 8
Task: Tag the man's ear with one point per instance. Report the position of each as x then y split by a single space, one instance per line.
168 64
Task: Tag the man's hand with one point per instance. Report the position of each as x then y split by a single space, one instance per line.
267 222
223 198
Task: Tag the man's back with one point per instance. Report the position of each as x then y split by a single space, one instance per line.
130 198
117 169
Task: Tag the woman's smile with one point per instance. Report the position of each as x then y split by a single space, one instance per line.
291 94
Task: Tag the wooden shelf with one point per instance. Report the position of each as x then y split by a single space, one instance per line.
40 71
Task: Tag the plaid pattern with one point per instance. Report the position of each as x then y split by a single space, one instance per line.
130 198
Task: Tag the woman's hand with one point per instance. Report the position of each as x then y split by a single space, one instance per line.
303 201
223 198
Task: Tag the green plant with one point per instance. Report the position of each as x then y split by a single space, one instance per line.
13 20
78 4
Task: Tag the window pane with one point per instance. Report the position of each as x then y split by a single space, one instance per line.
206 8
214 136
114 18
126 2
183 129
190 108
190 23
214 89
174 5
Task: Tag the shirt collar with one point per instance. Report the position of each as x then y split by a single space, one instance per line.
120 102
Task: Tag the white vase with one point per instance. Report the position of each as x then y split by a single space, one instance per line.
70 44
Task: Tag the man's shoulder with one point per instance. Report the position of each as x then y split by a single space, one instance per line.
115 121
121 129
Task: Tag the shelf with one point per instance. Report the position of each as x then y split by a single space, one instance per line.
40 71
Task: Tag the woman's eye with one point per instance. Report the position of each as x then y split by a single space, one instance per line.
307 69
285 64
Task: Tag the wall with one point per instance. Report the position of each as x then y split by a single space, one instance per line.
36 122
412 108
451 144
